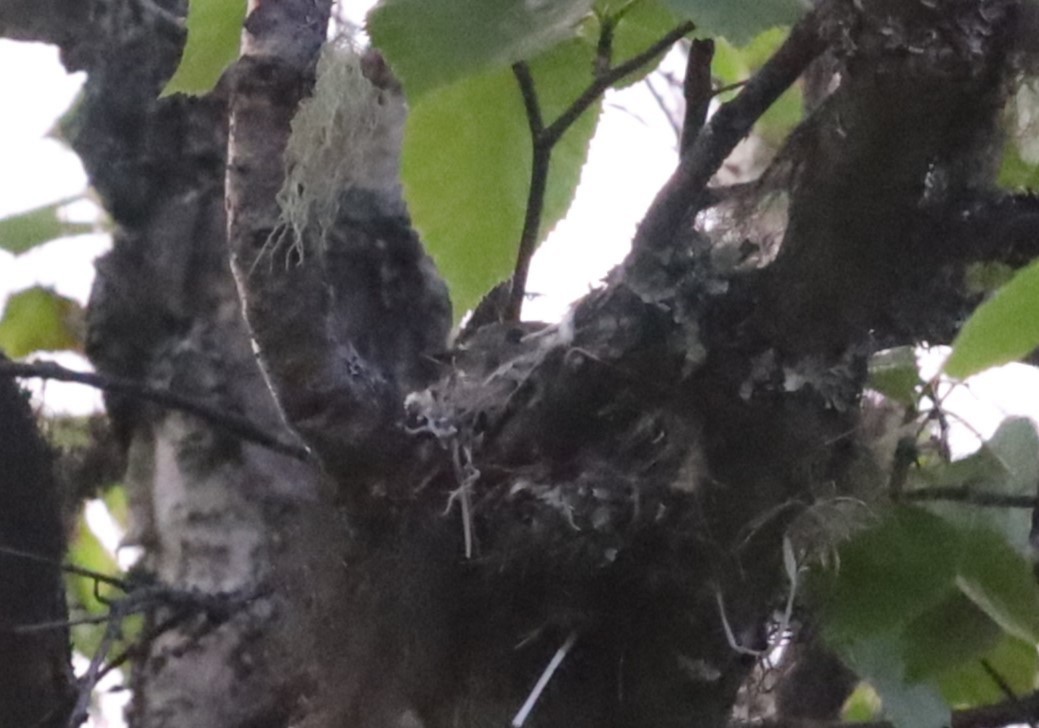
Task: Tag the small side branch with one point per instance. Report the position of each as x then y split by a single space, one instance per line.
544 138
589 96
733 121
536 195
232 423
217 608
696 88
97 576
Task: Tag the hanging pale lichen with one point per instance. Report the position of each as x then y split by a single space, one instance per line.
1026 128
346 135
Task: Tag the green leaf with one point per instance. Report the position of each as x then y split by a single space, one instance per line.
642 23
1008 463
1002 329
38 319
1014 172
214 37
432 43
927 649
732 65
1000 583
26 230
987 277
118 505
916 599
782 116
970 684
862 705
890 574
895 373
738 20
879 659
466 167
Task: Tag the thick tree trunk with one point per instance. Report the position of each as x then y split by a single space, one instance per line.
36 681
618 487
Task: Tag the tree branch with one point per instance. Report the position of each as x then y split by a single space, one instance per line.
232 423
544 139
542 157
732 122
696 89
588 97
97 576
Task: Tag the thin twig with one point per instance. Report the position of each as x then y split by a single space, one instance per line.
697 91
1002 684
544 138
659 99
68 568
971 496
683 192
542 156
558 127
530 99
999 680
89 679
229 421
57 624
729 87
142 642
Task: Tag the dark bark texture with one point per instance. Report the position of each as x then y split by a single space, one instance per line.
36 681
621 482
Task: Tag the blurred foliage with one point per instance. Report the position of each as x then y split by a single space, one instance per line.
1002 329
214 36
39 319
21 232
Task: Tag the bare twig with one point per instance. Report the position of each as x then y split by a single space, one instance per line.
68 568
535 196
683 192
729 87
229 421
544 138
89 680
696 89
659 99
557 128
141 643
57 624
1002 684
217 608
